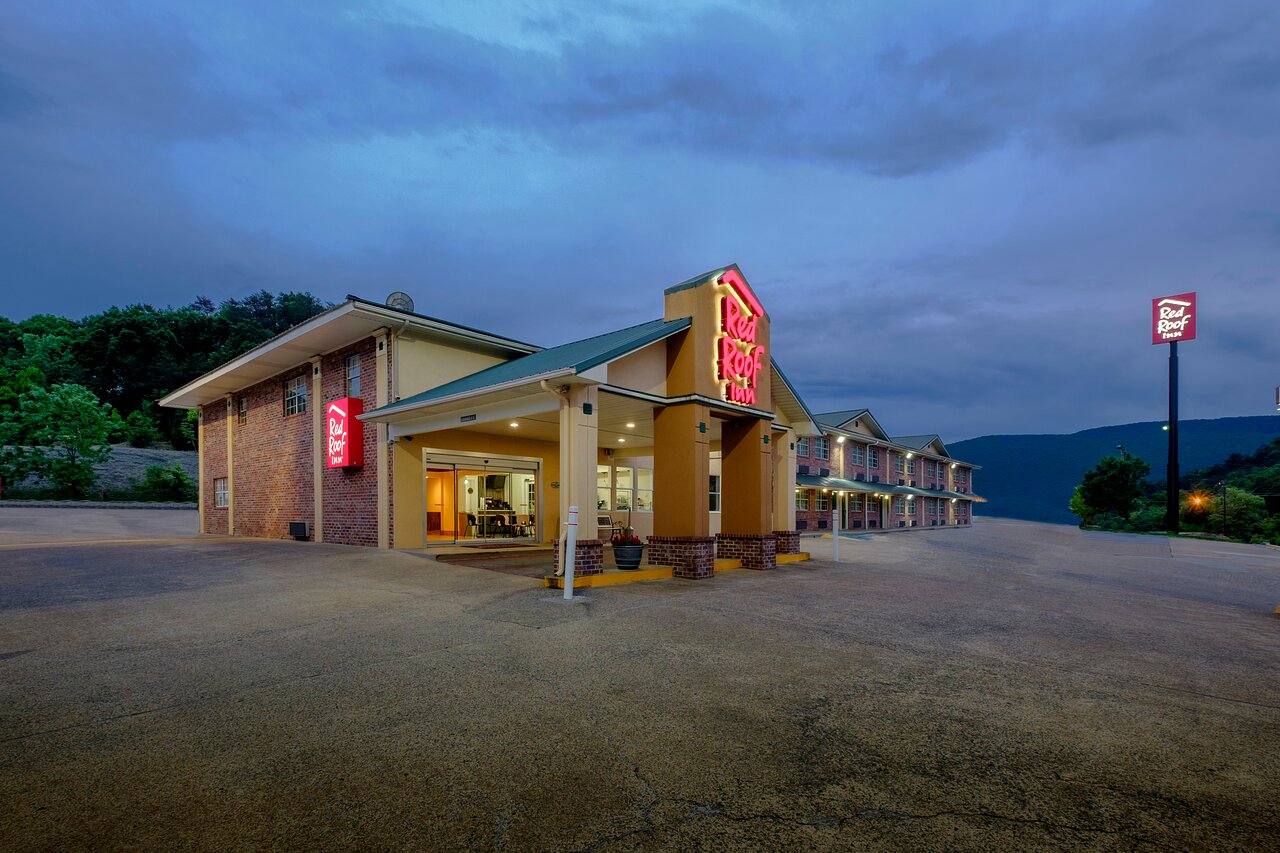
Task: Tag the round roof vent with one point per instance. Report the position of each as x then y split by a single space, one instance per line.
400 301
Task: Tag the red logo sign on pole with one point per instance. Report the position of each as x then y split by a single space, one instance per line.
1173 318
741 358
344 433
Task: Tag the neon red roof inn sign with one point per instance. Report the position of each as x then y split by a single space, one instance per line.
741 358
1173 318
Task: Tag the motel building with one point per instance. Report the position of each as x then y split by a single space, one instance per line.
373 425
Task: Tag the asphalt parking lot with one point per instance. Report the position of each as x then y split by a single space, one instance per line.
1008 686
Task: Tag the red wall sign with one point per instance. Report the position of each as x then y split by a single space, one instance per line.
344 433
1173 318
741 359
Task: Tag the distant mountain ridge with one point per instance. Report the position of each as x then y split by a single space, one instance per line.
1032 476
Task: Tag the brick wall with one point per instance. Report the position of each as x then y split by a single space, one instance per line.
588 556
273 460
213 456
788 541
755 552
351 494
692 557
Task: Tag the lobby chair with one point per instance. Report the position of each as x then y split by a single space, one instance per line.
606 527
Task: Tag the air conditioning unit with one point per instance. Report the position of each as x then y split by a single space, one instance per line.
859 476
901 482
875 478
824 472
822 524
915 523
902 524
857 524
802 469
913 482
801 524
299 530
872 523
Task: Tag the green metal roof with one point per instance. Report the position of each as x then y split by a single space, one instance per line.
839 419
573 357
811 481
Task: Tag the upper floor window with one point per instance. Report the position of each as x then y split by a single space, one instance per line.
873 457
242 413
855 454
911 466
353 376
295 395
822 448
899 464
802 446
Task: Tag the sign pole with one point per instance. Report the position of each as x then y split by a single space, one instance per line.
570 551
1172 478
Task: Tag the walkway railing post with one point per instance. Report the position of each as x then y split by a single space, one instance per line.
570 551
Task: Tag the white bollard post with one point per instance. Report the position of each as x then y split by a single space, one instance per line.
835 535
570 550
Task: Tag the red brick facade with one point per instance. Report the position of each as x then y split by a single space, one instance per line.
788 541
273 458
692 557
588 556
755 552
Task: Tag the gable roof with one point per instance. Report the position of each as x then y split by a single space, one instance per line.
788 401
841 420
921 442
564 360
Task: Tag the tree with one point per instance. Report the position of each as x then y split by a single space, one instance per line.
1245 514
1080 508
140 427
59 434
1114 484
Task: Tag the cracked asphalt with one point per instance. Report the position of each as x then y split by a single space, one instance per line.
1008 686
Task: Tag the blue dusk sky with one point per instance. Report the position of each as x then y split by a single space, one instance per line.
956 213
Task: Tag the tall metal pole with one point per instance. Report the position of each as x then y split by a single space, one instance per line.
1171 480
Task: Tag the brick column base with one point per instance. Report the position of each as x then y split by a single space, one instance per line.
692 557
755 551
788 541
588 557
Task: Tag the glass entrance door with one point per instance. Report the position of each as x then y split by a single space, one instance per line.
479 499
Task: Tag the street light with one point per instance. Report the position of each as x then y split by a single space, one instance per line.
1123 452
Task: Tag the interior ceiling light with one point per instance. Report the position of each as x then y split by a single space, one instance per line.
514 424
631 426
621 441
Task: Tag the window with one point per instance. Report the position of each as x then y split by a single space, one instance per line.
911 506
802 446
855 504
822 448
824 502
715 492
802 499
622 488
855 454
603 484
644 490
353 376
911 466
242 415
900 506
873 457
221 498
295 395
899 464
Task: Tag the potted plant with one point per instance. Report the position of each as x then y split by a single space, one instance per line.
628 550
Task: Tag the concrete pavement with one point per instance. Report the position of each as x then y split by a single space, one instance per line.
1009 686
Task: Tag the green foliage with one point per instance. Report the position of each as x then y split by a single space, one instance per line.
59 434
167 484
188 431
1080 508
140 427
136 354
1114 484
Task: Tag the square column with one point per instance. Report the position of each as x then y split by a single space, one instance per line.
681 471
579 416
784 483
747 468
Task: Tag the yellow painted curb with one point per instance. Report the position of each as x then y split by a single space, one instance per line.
728 565
792 558
614 578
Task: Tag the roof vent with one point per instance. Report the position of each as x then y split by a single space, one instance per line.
400 301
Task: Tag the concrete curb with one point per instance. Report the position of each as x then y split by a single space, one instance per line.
97 504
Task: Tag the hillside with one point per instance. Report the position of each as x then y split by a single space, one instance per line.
1032 476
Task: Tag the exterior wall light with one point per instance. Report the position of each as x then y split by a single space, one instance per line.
513 424
840 439
909 455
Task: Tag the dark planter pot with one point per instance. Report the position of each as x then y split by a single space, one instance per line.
628 557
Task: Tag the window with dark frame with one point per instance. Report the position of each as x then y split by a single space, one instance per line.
295 395
353 376
715 492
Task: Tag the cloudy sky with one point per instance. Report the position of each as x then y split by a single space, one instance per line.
956 213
